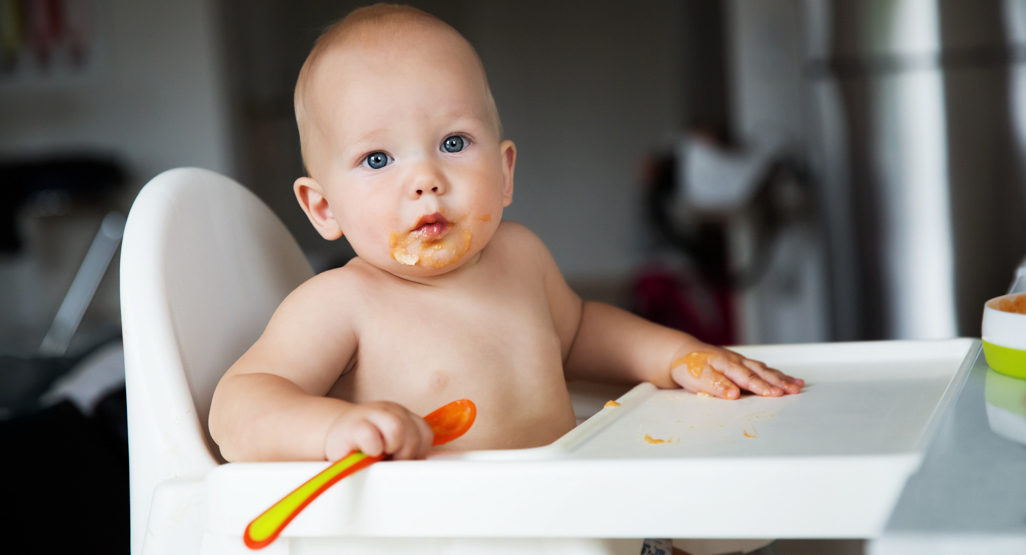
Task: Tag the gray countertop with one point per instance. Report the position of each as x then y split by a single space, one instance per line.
969 495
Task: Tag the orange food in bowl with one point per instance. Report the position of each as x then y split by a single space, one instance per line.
1016 304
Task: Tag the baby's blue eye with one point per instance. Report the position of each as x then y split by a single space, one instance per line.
377 160
453 144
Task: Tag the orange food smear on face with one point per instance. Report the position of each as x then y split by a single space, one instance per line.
611 404
1016 305
650 439
696 362
485 218
412 249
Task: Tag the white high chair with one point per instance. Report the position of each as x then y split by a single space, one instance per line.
204 264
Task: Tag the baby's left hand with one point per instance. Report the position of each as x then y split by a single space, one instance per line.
722 373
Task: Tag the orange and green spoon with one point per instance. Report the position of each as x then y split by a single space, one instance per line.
448 423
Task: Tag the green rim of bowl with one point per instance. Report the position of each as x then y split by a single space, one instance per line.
1008 361
1005 392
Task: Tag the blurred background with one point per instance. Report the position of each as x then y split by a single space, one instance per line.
751 172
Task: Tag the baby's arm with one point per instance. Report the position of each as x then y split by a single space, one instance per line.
613 345
607 344
271 403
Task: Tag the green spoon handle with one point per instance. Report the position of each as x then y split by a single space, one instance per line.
265 528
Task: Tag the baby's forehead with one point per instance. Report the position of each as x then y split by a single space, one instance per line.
360 74
391 46
386 50
356 68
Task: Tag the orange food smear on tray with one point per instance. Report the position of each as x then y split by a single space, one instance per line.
611 404
652 440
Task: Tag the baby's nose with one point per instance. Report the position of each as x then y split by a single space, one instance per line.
426 178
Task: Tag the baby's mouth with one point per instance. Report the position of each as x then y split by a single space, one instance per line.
433 242
432 226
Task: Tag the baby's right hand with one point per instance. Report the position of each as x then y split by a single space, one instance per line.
376 428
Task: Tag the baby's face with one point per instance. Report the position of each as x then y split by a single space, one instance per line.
407 155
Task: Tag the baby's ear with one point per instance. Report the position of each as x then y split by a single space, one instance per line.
311 197
508 153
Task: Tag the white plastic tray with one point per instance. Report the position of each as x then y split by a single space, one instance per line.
829 462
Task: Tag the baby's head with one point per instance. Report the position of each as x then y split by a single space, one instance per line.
402 142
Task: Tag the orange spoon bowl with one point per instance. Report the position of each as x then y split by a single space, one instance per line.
452 420
447 423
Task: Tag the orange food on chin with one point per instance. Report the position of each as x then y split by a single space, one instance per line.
433 245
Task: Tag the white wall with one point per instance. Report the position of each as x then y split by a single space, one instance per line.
156 101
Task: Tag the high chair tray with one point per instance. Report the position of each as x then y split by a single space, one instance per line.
829 462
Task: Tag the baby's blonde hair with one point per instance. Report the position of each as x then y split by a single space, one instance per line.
384 21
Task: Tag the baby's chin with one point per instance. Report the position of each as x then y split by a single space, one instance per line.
425 270
426 263
432 250
421 271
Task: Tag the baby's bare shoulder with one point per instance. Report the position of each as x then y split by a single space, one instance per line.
313 332
523 249
329 294
517 240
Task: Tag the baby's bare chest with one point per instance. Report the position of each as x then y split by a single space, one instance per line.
483 341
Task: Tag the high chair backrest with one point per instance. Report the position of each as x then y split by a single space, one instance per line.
204 264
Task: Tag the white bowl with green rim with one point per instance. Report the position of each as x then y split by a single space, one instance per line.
1004 338
1006 405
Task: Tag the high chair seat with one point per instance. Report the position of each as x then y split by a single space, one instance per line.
204 265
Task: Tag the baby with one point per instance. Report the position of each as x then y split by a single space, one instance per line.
403 145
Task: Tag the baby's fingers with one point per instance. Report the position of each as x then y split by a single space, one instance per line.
391 429
710 381
749 380
417 441
362 436
775 377
716 383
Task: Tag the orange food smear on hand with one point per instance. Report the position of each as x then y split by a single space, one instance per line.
1016 305
611 404
696 362
703 394
412 249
